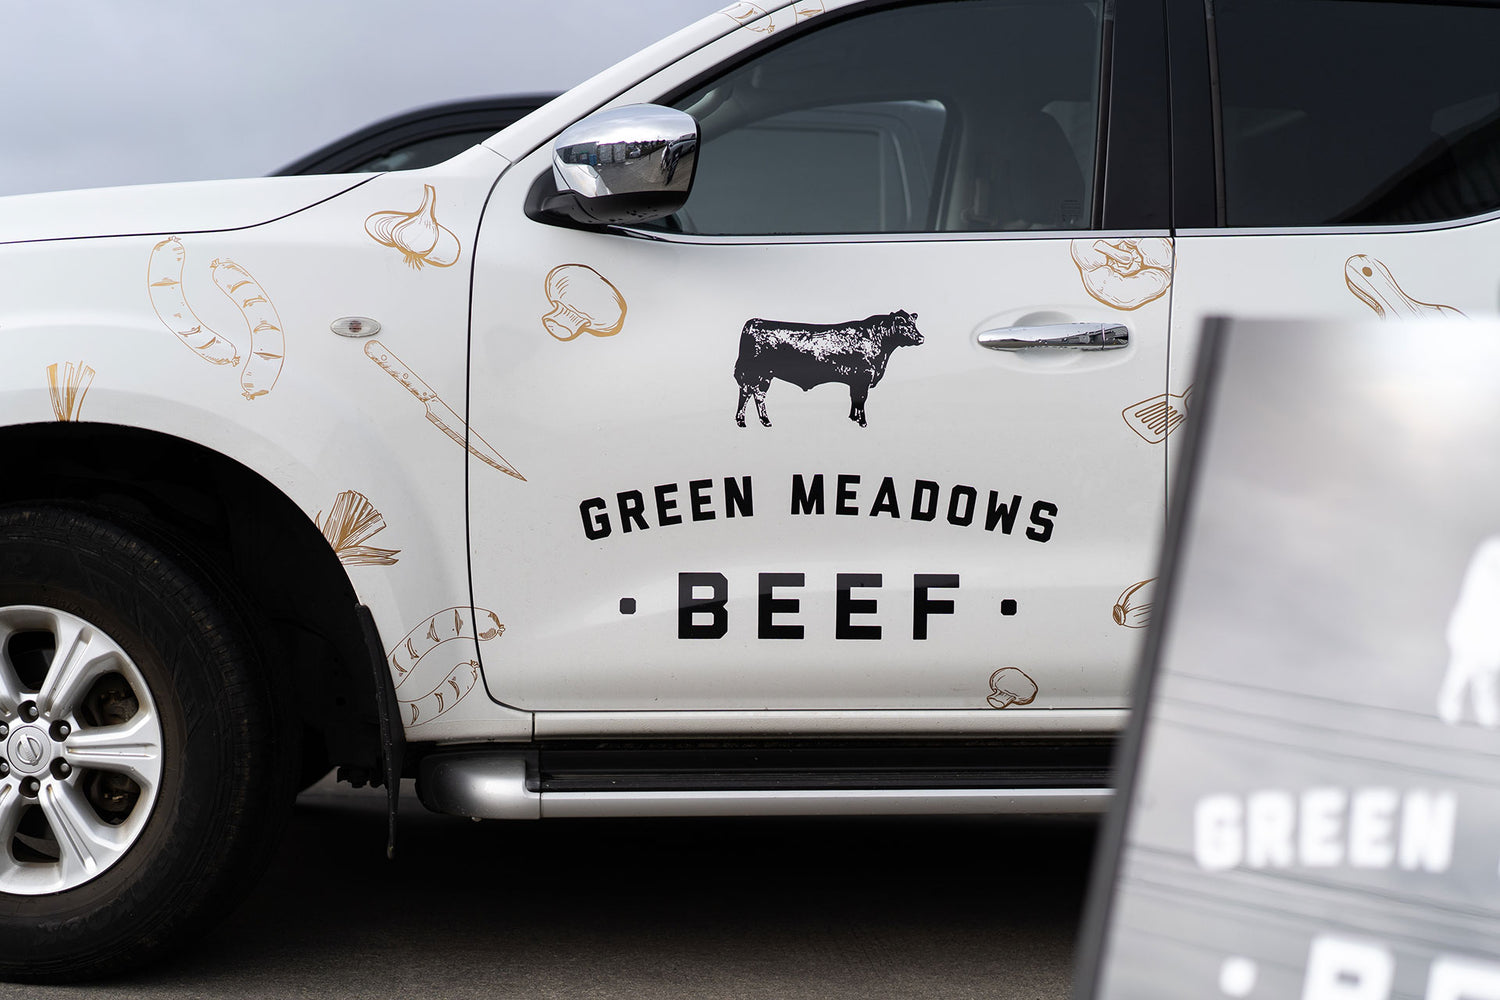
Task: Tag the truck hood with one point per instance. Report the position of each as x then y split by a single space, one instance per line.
194 207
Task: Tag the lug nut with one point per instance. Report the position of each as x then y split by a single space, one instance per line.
61 769
29 711
4 730
61 730
31 786
4 768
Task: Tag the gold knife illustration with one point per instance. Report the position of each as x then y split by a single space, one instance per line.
439 413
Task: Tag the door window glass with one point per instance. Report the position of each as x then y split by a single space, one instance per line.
1358 113
979 115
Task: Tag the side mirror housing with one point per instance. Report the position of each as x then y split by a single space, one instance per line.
623 165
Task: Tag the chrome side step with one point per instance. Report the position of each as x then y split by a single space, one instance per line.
498 786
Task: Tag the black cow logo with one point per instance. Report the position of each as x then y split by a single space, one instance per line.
807 355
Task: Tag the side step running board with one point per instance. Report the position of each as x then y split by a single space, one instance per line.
498 786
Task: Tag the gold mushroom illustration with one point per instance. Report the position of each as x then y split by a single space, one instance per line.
1011 686
66 384
353 520
1157 416
424 642
582 302
1124 274
1372 283
417 234
1133 607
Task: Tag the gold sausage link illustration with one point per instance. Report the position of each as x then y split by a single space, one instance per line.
583 301
1155 418
164 283
267 342
1372 284
351 522
417 235
743 13
446 625
1124 274
1011 686
67 392
440 699
439 413
1133 607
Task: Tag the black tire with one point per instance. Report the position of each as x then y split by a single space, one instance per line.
227 772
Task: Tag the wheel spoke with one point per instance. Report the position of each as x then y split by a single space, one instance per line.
132 748
82 655
86 844
12 805
10 682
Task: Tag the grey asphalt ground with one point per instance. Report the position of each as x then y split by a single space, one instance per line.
764 908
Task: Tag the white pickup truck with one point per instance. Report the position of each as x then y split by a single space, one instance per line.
532 474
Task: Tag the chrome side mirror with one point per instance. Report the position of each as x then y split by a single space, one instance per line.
624 165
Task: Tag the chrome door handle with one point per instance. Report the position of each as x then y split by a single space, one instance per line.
1078 336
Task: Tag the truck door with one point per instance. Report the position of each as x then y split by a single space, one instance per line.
806 444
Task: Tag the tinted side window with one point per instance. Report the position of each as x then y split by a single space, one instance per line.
1358 113
977 115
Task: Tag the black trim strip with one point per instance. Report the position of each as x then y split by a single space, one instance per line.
1138 165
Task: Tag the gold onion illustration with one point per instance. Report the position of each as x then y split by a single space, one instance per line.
417 235
351 522
582 302
1010 686
67 388
1133 608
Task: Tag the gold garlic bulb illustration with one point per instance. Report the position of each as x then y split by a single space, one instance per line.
1010 686
1133 608
582 302
417 235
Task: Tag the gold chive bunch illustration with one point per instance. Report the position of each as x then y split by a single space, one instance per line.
583 301
66 384
416 234
352 521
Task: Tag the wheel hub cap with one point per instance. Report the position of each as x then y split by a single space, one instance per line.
29 750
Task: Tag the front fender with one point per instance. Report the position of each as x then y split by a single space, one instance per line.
84 335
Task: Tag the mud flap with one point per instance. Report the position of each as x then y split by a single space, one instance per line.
392 735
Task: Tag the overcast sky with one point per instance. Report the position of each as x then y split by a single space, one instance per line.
134 92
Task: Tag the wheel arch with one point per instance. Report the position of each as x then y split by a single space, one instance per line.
269 547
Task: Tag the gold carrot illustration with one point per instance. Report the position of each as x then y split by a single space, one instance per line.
66 384
164 284
450 623
417 234
459 682
267 341
351 522
1372 283
439 413
1124 274
1156 417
